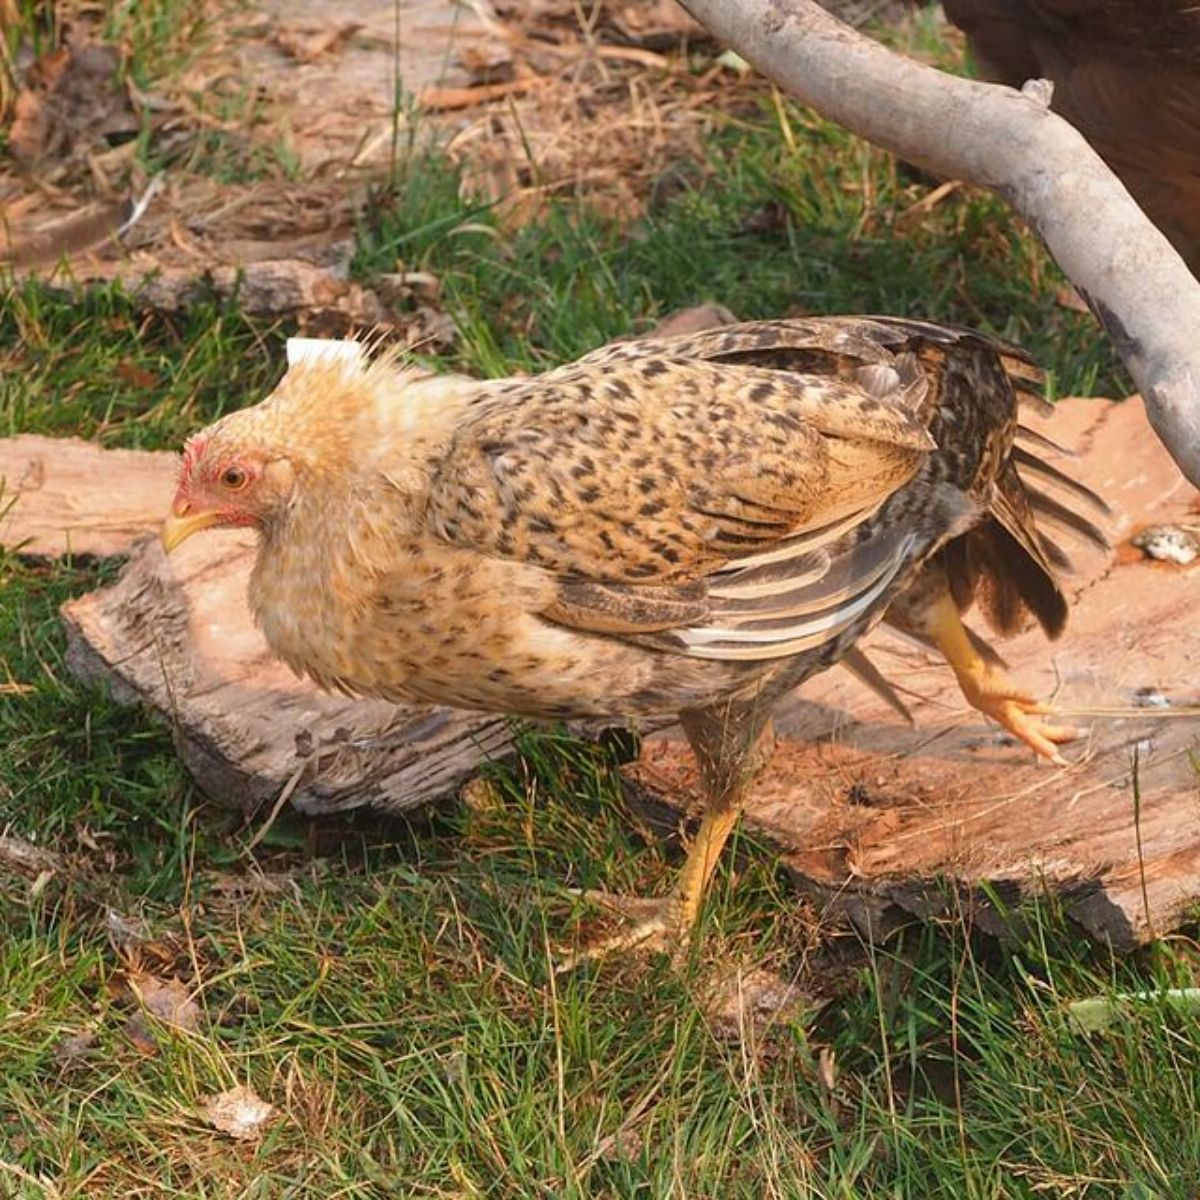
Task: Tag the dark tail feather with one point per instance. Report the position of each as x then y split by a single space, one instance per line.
1029 463
867 673
1028 383
1058 515
1025 434
1007 566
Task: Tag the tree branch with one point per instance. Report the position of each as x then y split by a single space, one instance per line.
1139 288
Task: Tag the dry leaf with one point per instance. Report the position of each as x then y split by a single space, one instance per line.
307 47
660 21
625 1145
125 932
754 999
31 117
75 1048
166 1000
140 1035
1069 298
137 377
72 99
238 1112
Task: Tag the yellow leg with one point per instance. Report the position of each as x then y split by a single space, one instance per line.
988 689
665 923
729 757
692 882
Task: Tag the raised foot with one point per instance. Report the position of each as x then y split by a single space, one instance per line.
1020 714
657 925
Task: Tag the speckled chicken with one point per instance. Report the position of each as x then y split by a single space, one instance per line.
688 526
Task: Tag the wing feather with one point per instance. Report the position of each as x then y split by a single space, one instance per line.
714 509
780 636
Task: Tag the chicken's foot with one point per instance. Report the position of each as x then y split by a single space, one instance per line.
987 688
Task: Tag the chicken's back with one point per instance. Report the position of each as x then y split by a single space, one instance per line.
602 555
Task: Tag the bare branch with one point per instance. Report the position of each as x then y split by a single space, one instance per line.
1007 140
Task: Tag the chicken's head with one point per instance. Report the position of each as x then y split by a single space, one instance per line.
332 419
225 482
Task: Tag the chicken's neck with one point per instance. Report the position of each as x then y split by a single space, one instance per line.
320 559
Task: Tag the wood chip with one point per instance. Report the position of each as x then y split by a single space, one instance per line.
307 47
446 99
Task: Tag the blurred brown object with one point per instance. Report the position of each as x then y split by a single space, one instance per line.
1126 74
72 99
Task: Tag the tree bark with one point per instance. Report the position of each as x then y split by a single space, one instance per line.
1137 285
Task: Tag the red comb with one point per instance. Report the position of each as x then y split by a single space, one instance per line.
192 450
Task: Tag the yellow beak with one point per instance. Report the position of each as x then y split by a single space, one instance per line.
180 526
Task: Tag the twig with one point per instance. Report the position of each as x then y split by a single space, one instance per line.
284 796
19 855
443 99
1137 833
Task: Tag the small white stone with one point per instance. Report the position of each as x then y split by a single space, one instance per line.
1169 543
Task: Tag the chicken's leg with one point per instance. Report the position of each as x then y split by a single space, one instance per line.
987 688
731 743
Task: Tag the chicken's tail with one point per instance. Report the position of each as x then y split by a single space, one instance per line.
1013 563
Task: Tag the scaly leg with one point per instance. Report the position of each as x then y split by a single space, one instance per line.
987 688
731 744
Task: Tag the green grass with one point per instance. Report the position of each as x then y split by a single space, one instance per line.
768 231
385 984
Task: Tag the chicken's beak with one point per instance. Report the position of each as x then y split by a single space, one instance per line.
183 522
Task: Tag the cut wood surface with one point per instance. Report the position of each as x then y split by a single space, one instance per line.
872 816
67 496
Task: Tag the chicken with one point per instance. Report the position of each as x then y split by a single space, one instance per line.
687 526
1126 74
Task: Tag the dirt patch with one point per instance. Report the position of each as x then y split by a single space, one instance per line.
288 117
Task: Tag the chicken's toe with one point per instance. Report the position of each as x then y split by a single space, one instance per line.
1021 717
658 925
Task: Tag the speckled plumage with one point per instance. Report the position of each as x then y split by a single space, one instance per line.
691 525
591 541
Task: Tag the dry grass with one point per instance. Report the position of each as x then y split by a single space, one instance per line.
581 112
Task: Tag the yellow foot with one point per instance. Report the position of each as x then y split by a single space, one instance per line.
988 689
658 925
996 697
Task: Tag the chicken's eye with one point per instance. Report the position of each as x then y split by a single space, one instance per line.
233 478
